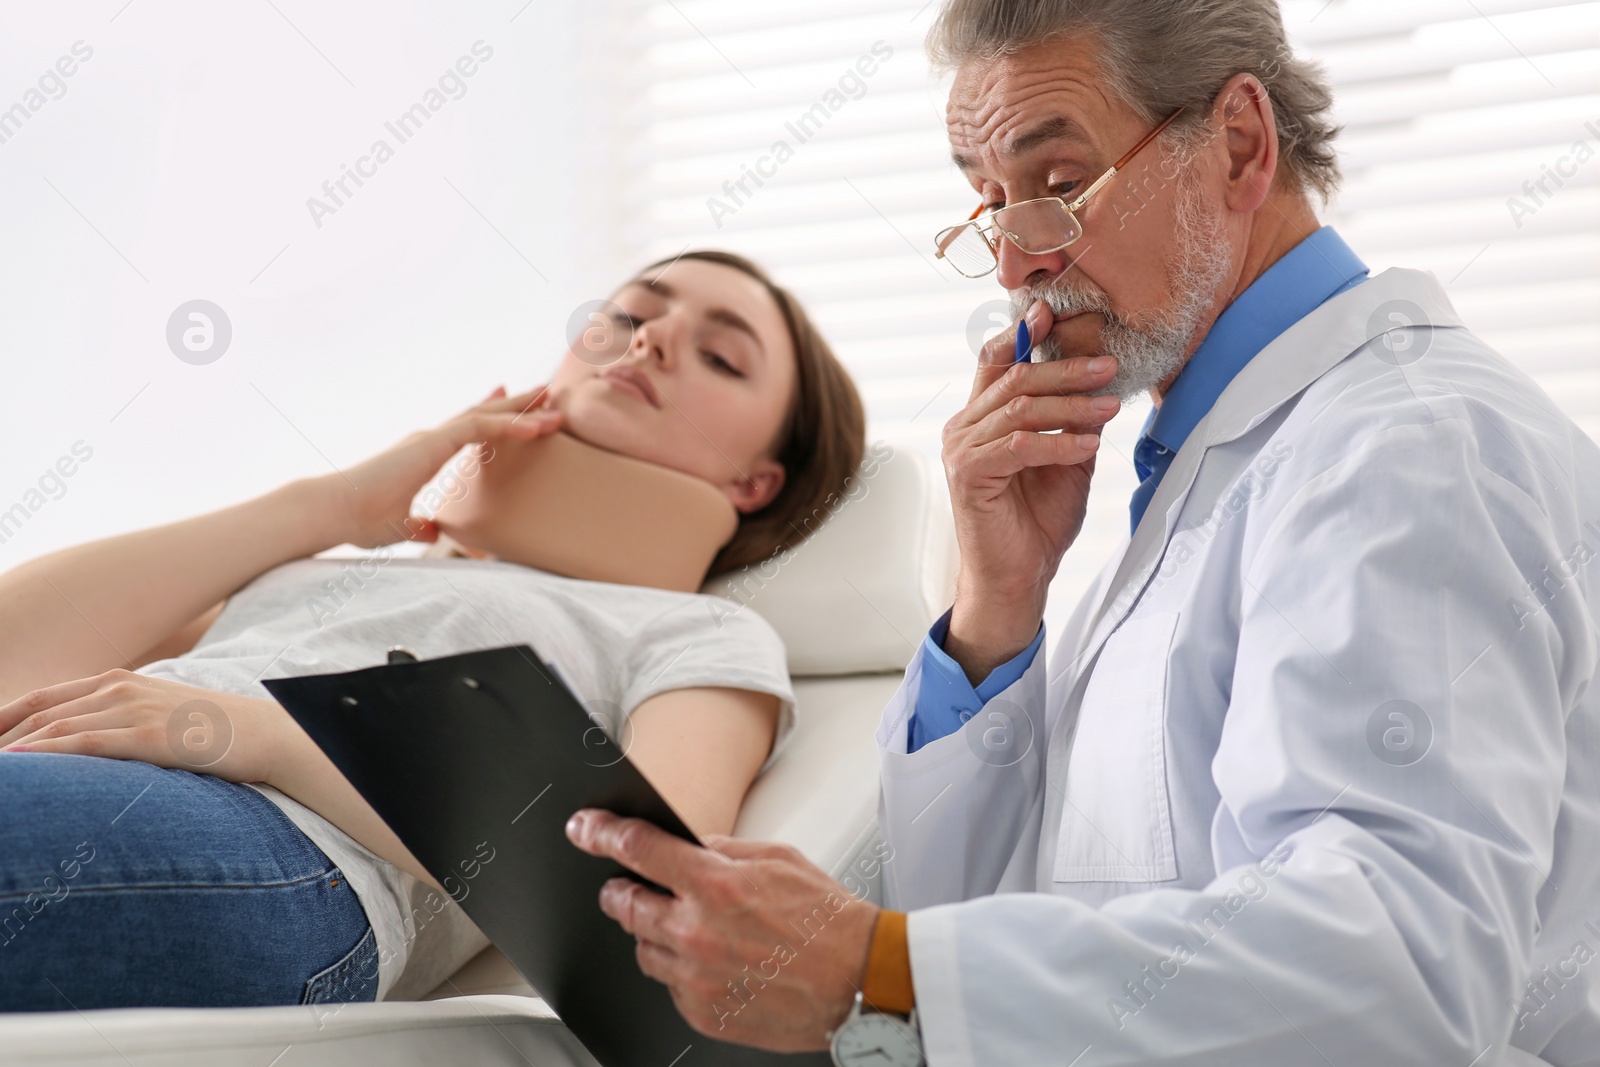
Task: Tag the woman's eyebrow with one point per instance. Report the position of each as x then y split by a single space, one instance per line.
716 314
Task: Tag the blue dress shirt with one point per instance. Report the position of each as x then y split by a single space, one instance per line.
946 699
1318 268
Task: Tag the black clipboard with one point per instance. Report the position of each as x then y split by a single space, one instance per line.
490 750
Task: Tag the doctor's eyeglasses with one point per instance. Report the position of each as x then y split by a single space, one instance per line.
1047 224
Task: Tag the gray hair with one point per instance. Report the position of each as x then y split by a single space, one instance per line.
1160 55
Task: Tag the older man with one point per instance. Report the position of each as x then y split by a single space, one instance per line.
1313 773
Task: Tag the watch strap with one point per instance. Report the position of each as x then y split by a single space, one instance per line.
888 986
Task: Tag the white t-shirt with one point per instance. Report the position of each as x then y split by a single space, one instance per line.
614 646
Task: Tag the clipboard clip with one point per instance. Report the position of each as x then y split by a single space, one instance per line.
401 654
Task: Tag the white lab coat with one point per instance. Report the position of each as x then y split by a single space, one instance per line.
1313 774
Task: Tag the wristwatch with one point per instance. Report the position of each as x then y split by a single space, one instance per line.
868 1036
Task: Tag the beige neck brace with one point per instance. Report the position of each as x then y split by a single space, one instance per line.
567 507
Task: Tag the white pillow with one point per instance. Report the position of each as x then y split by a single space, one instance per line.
859 594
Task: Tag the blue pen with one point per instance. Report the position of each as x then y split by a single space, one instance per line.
1024 342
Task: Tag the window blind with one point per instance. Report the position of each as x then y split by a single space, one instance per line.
810 137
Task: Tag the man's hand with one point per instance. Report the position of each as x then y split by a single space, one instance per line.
1019 493
757 945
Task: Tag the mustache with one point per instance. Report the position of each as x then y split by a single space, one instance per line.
1062 301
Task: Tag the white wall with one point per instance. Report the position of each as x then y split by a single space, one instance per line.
177 164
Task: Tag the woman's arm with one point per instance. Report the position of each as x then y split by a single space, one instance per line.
90 608
181 640
701 749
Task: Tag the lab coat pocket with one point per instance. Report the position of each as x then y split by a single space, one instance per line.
1116 824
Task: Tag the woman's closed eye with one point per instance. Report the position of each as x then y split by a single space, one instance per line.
722 364
718 362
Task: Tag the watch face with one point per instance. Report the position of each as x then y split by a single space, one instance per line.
874 1040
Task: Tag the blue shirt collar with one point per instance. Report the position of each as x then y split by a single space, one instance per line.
1318 268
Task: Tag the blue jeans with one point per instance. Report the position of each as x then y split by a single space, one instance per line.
124 884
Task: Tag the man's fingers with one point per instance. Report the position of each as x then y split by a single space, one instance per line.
1052 449
1074 413
1065 377
1000 351
1062 377
994 359
740 847
638 909
639 846
1023 448
657 961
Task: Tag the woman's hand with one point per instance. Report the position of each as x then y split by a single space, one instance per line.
375 496
124 715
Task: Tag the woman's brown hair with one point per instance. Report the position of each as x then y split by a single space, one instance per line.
820 445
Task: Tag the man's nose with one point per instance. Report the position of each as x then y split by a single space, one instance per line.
1018 268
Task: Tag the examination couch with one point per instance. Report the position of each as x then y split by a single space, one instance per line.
850 604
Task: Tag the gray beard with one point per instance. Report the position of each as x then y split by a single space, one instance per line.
1149 352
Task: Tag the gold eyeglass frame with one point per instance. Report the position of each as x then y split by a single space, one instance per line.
947 236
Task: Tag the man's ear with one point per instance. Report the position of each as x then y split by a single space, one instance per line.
764 484
1244 111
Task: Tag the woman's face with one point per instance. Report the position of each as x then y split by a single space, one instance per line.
702 386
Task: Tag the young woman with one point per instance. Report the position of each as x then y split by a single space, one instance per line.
126 878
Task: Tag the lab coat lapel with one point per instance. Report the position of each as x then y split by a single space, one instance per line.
1278 373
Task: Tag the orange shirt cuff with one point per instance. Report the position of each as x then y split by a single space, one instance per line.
888 984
